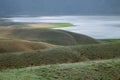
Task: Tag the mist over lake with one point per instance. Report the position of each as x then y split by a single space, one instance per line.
98 27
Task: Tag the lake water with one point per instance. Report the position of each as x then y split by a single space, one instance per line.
98 27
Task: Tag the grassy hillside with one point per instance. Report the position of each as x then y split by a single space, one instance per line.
8 45
82 39
94 70
30 47
60 55
45 35
58 37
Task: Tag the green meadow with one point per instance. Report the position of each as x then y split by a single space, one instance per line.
36 53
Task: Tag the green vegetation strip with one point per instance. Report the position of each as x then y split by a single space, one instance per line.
95 70
110 40
63 24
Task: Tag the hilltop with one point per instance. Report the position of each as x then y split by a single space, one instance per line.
9 45
57 37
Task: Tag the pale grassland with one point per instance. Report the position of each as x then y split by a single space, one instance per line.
93 70
47 25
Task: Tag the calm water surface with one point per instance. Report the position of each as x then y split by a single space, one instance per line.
95 26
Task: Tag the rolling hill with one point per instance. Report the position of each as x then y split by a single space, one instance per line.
23 41
36 54
8 45
93 70
60 55
57 37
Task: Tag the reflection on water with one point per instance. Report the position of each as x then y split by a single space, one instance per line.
94 26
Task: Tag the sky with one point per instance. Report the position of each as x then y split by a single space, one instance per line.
59 7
